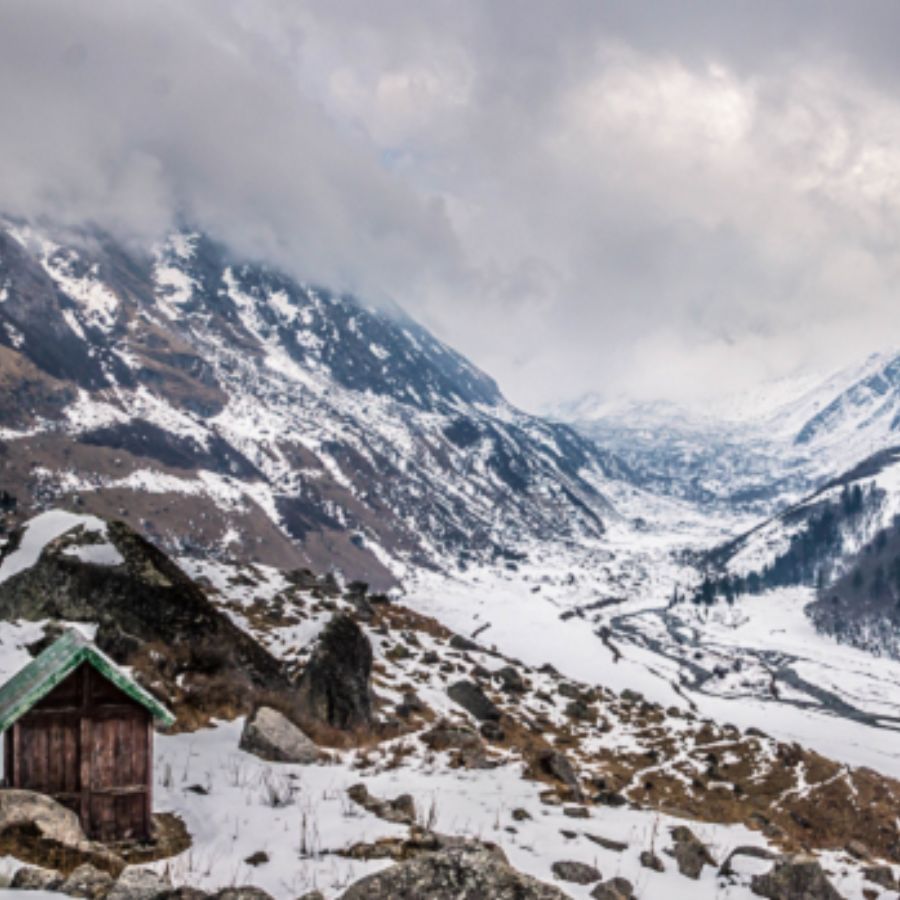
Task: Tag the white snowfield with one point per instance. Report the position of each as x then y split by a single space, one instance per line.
236 805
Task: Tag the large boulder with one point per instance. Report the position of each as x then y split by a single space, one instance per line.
335 687
453 874
37 829
271 736
794 878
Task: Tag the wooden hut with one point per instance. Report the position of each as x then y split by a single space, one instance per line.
79 729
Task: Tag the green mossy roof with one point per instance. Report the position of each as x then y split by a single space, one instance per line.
50 667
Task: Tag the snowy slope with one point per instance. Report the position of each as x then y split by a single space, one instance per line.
225 407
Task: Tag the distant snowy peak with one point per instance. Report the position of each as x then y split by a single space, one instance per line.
757 449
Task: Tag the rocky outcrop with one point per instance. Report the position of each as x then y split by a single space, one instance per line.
153 617
272 736
335 687
794 878
454 874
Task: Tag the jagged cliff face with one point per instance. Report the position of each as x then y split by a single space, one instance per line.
224 407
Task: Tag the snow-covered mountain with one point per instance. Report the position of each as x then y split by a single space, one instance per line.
756 451
224 406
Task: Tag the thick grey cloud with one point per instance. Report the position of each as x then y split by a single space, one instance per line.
675 199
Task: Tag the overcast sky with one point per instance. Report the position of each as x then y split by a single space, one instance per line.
669 199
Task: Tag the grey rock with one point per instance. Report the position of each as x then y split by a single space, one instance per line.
272 736
401 810
510 680
576 812
614 889
469 746
690 853
883 876
335 687
473 700
312 895
606 843
727 869
557 765
139 884
454 874
87 881
649 860
794 878
34 878
576 872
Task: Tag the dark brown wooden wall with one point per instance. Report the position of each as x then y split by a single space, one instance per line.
89 745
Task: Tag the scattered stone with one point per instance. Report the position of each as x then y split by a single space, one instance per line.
470 749
576 872
858 850
630 696
139 884
520 815
473 700
606 843
335 687
726 869
34 878
883 876
458 642
579 710
690 852
510 680
557 765
312 895
614 889
272 736
609 798
260 858
87 881
649 860
576 812
410 705
454 874
491 731
401 809
794 878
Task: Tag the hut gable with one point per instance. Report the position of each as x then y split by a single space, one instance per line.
53 665
80 730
